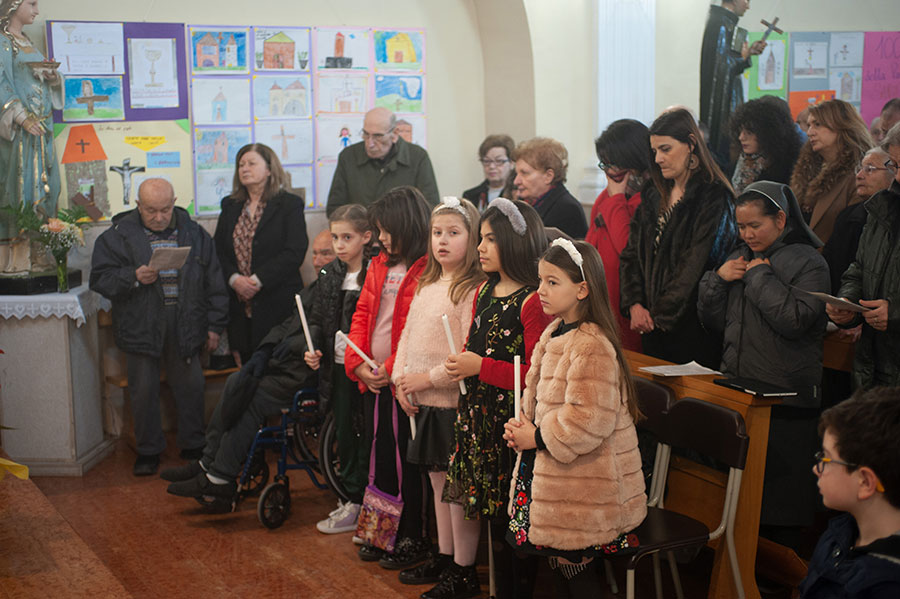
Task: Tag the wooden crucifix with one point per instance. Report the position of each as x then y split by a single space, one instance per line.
770 27
88 97
284 145
126 170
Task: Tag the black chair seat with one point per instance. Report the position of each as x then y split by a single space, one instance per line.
665 530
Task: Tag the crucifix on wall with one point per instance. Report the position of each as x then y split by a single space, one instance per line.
126 170
284 145
88 97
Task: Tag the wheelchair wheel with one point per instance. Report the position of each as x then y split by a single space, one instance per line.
258 475
329 462
306 437
274 505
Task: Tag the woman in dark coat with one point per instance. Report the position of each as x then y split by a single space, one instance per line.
769 142
773 333
495 155
261 242
683 227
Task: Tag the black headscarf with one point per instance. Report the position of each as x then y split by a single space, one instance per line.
795 229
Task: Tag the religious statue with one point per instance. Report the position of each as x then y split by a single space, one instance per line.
723 58
29 172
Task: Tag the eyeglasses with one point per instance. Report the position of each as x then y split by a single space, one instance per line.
489 162
603 166
377 137
891 165
869 168
821 460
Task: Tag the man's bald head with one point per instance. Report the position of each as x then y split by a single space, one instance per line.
156 203
379 132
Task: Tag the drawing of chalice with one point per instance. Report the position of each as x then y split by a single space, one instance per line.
152 55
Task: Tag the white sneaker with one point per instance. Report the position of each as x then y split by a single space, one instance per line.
340 506
357 540
344 520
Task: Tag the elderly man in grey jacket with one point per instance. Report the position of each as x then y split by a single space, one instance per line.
161 317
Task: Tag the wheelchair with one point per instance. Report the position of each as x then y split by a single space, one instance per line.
296 440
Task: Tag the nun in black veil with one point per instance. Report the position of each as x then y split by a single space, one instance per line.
773 333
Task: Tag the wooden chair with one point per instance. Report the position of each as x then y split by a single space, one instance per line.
713 431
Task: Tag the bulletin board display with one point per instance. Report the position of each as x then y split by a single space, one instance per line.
806 68
178 101
125 113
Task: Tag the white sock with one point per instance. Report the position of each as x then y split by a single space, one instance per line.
216 480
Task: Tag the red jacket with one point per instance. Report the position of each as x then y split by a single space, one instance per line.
610 237
500 373
367 311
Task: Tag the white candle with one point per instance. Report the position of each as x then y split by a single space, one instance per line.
412 419
358 351
309 343
517 394
462 384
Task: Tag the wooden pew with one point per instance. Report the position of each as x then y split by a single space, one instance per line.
699 492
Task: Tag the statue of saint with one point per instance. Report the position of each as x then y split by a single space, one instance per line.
29 172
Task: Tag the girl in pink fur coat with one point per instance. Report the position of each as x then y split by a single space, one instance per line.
578 489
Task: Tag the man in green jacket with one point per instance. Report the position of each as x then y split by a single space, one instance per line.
379 163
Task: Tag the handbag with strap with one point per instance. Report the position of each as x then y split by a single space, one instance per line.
379 517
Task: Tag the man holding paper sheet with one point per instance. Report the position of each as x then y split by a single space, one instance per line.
161 317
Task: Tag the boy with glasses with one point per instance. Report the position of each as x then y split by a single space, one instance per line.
859 473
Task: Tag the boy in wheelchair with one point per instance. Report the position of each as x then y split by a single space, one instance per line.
261 388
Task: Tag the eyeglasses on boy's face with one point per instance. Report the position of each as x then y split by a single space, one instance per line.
821 460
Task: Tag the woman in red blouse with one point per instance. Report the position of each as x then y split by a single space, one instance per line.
624 157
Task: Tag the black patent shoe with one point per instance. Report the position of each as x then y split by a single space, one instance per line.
428 573
460 582
407 553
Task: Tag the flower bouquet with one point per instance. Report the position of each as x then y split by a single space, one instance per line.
59 235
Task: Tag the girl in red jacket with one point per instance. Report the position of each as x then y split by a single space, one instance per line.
401 217
507 321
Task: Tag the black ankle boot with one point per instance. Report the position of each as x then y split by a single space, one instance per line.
459 582
428 573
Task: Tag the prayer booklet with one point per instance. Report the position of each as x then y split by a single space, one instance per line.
689 369
755 387
169 258
834 301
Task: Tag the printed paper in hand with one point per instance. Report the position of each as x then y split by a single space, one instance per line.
169 258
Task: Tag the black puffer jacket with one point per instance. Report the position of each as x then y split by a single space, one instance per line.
332 310
700 233
875 274
137 310
772 333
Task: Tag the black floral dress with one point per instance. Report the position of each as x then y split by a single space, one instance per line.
481 463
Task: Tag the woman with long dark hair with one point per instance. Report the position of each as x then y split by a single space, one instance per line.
769 142
683 227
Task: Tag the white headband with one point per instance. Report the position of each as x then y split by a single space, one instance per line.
512 213
573 252
452 203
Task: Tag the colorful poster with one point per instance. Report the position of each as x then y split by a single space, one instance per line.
399 50
810 60
219 51
220 101
804 99
88 48
399 93
217 148
93 99
302 179
342 93
212 186
291 140
767 74
345 48
324 175
881 72
152 73
846 49
334 133
846 84
281 49
281 97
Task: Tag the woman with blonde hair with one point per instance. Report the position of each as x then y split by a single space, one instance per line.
824 178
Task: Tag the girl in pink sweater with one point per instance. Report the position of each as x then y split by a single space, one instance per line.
425 390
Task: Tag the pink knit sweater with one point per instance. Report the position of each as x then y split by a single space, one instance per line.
423 343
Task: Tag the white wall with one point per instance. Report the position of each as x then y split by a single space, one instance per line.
455 78
680 24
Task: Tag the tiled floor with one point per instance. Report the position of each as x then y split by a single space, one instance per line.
158 545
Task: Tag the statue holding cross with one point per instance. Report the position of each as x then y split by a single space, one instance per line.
126 171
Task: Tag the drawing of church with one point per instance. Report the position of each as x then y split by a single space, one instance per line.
338 61
770 69
220 107
399 48
231 57
208 51
278 52
847 87
349 98
288 101
220 149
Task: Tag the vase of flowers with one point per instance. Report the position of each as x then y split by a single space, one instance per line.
59 236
